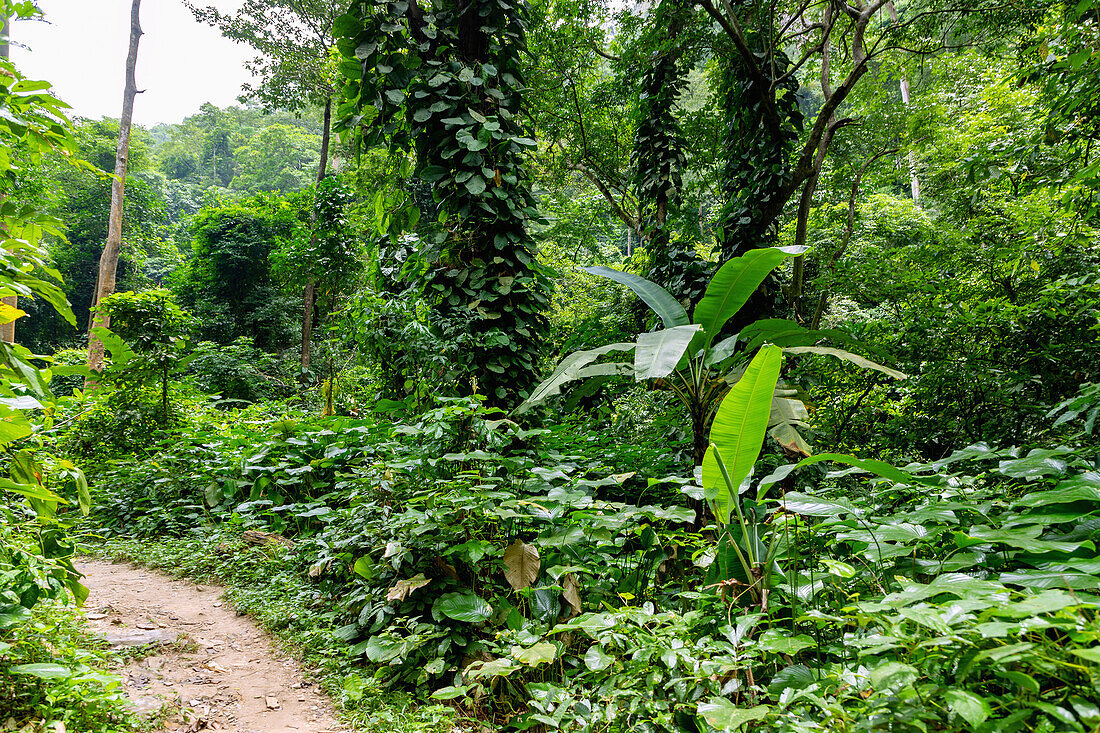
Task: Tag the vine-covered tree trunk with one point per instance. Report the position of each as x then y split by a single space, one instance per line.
451 89
658 157
108 261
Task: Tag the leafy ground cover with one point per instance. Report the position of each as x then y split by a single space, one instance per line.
456 558
59 677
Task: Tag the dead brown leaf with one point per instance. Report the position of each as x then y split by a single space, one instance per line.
570 591
521 564
401 590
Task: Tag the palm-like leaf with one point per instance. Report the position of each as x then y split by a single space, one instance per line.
659 352
734 283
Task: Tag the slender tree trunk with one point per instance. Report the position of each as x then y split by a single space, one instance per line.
7 330
108 261
307 295
903 85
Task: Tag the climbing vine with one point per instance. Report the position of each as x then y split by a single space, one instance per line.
762 132
658 157
445 84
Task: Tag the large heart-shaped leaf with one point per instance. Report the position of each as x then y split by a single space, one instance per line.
466 607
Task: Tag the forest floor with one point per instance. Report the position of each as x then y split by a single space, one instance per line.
193 663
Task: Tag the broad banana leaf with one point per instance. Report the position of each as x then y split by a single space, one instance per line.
846 356
879 468
782 332
659 352
570 369
738 429
721 351
734 283
663 304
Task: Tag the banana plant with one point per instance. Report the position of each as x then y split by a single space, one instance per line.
687 356
747 542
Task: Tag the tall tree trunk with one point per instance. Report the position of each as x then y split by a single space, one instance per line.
307 295
903 85
108 261
7 330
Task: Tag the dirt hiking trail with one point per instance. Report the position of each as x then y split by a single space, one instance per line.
213 669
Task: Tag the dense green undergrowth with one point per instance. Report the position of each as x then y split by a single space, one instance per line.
457 557
58 677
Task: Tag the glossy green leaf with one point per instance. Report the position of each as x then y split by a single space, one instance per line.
569 369
664 305
533 656
734 284
737 433
879 468
45 670
466 607
596 660
846 356
721 714
968 706
812 506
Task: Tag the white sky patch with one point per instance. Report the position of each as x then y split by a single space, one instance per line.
82 51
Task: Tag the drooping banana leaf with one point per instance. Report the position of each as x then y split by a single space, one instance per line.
787 436
846 356
879 468
782 332
663 304
569 369
738 429
734 283
659 352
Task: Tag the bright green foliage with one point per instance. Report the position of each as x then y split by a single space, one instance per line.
1067 68
448 84
38 488
279 157
328 253
56 676
967 581
687 357
228 285
737 433
147 341
80 198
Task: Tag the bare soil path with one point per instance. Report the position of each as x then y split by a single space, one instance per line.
215 670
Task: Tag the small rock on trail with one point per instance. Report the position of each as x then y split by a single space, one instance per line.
215 670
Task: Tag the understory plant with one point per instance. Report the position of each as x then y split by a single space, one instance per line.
694 359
